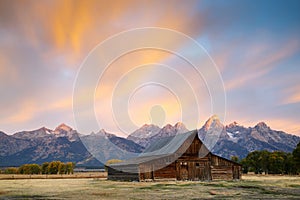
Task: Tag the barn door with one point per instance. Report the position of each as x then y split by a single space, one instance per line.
235 172
199 173
149 173
202 171
207 171
184 173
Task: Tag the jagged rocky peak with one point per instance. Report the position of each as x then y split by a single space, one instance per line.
147 130
41 132
262 126
168 126
180 127
233 124
101 132
104 133
147 126
63 127
150 128
213 122
43 129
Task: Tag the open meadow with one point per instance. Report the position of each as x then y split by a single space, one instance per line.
251 187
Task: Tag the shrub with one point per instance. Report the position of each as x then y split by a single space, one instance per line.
11 170
30 169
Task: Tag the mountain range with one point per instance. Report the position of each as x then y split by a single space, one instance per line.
65 144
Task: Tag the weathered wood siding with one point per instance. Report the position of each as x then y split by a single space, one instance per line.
197 163
194 170
163 168
123 174
223 169
168 172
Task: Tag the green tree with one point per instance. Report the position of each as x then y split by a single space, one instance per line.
70 167
22 169
62 168
45 168
253 162
53 167
290 166
235 159
30 169
296 157
35 169
277 162
245 165
263 161
11 170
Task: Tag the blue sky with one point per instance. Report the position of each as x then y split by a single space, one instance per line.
255 45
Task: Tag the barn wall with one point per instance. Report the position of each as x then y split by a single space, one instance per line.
168 172
223 169
194 169
190 147
197 163
158 169
123 173
194 163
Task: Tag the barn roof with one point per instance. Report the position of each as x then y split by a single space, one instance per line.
160 148
168 145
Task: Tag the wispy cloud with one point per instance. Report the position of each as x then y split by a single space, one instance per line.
42 44
257 61
291 95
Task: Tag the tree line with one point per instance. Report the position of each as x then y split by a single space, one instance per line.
276 162
54 167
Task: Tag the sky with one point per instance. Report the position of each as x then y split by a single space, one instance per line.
254 45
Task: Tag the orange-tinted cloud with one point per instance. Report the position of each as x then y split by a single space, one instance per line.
8 72
30 108
260 60
25 113
291 95
73 27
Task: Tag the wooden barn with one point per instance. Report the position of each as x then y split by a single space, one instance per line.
182 157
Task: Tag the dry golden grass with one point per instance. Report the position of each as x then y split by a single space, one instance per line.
251 187
56 176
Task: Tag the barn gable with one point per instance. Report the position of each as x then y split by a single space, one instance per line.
182 157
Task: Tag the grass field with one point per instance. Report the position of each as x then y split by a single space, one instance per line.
56 176
251 187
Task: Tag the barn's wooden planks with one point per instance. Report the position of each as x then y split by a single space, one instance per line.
121 175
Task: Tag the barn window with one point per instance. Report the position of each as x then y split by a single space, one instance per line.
168 160
197 164
183 163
